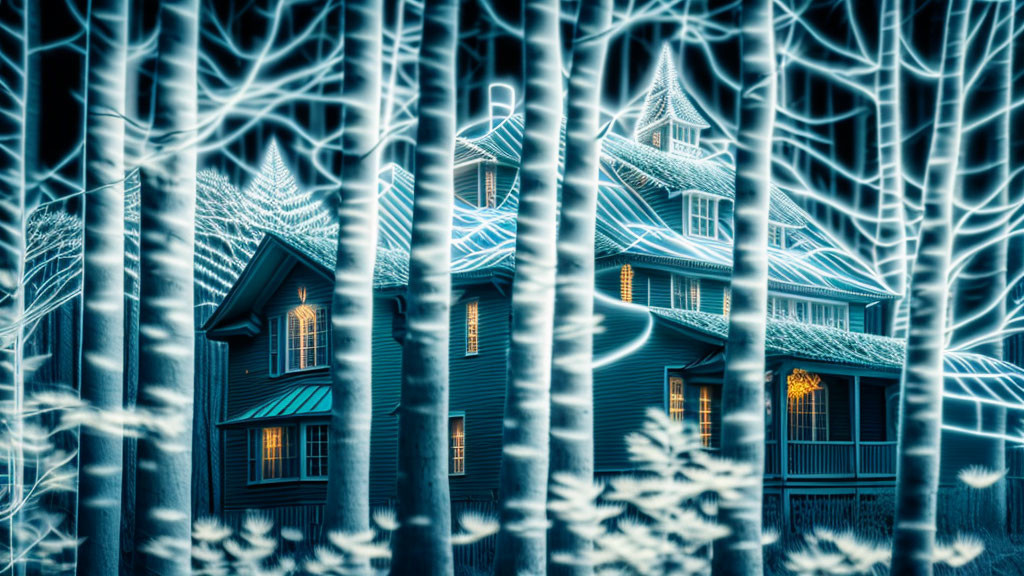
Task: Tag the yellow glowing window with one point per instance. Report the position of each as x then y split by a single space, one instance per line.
307 337
457 432
626 283
807 401
472 328
726 301
490 187
705 416
656 139
675 398
273 454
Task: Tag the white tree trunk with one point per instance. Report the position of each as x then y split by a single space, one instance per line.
348 493
100 453
743 431
572 395
917 474
422 544
522 491
166 323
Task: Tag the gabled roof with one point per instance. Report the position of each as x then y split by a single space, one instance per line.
666 99
968 377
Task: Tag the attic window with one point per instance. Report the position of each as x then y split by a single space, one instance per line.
776 236
490 187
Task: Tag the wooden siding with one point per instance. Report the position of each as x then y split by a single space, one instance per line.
856 317
466 183
712 295
387 386
624 390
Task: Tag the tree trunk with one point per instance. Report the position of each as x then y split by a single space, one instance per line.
422 544
743 399
522 491
917 474
19 123
166 323
890 244
348 485
100 453
979 306
572 397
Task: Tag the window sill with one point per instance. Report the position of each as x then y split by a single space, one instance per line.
456 475
302 370
471 354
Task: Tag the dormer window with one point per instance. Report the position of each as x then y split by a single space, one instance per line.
702 219
776 236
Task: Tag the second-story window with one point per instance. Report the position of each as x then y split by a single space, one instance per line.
626 283
307 337
726 300
685 293
472 327
830 314
703 217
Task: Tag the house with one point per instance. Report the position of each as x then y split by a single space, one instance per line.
663 266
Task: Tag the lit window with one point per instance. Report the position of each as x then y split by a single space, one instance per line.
316 451
675 398
703 216
685 293
656 139
776 236
472 328
307 337
626 283
807 400
705 416
490 187
272 453
457 454
726 300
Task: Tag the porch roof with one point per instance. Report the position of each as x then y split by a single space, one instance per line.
968 377
307 400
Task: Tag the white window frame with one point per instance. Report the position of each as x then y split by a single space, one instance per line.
776 236
792 303
692 200
286 333
457 414
303 455
687 292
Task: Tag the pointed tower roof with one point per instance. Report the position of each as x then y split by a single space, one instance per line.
666 99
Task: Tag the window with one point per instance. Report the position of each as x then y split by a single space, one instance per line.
626 283
705 416
457 453
315 465
272 454
703 216
656 139
490 187
685 292
307 337
776 236
675 398
726 300
807 399
275 345
472 328
830 314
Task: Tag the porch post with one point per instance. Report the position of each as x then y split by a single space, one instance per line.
783 426
856 426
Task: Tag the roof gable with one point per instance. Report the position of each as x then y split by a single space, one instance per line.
665 98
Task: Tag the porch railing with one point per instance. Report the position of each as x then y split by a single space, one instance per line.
771 458
878 458
820 458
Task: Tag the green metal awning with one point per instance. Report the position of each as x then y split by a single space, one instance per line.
296 402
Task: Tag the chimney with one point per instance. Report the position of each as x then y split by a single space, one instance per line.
502 100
